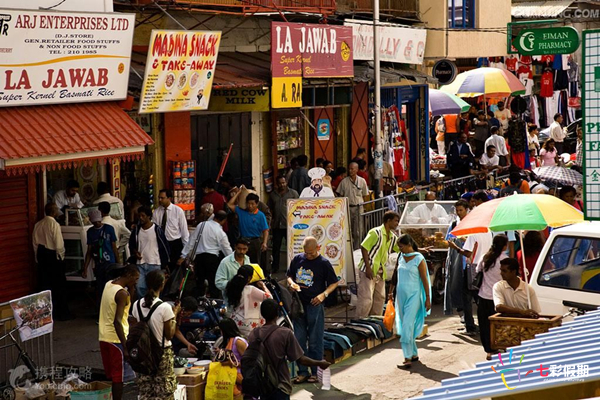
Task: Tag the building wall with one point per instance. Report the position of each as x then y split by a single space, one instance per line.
465 44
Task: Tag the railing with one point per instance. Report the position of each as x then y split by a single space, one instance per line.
39 349
372 211
392 7
325 7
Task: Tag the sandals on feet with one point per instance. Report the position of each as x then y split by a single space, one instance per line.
488 357
405 365
301 379
414 359
312 379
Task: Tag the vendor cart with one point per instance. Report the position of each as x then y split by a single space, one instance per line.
74 230
427 222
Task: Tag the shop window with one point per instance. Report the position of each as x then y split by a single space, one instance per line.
461 14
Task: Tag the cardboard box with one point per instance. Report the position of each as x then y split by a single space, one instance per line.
181 392
359 347
329 356
191 380
389 339
372 342
20 395
195 392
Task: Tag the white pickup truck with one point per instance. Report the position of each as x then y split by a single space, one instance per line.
567 273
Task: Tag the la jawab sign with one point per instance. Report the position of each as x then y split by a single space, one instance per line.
309 51
62 57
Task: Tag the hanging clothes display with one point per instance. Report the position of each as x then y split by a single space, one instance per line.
399 140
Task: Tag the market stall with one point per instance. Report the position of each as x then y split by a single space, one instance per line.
427 222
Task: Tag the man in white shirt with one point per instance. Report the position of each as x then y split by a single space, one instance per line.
207 258
499 143
121 231
354 188
489 159
149 248
103 191
429 213
503 114
510 294
172 221
49 251
557 133
68 198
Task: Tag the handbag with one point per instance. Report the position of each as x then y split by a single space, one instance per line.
221 381
474 278
390 316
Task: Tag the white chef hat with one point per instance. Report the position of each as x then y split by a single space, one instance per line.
316 173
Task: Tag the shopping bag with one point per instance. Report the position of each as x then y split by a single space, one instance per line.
220 382
390 316
474 278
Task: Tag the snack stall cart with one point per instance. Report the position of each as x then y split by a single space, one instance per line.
427 222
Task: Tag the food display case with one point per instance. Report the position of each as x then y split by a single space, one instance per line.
74 231
427 222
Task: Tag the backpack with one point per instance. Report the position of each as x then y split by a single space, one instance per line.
260 376
145 353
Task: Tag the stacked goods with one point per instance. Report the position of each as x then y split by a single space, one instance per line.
511 331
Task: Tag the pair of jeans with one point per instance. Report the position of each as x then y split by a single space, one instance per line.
144 269
52 277
205 268
485 309
309 331
467 299
100 272
278 236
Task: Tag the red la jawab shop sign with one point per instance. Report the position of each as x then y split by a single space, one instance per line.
49 57
309 51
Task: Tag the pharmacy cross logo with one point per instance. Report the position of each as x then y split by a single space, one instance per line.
558 372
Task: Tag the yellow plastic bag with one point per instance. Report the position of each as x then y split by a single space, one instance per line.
220 382
390 316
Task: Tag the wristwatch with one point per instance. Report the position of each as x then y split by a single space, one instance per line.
326 294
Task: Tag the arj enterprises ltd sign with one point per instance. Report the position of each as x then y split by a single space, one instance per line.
537 42
61 57
309 51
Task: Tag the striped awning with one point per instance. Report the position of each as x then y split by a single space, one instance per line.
539 9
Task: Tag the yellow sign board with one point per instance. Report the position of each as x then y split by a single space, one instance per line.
286 92
239 99
327 221
179 71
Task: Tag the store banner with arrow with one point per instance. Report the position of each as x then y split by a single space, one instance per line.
546 41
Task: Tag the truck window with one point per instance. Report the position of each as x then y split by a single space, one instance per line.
572 263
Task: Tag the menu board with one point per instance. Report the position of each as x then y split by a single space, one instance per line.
179 70
327 221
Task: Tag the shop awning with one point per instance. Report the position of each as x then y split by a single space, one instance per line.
539 9
237 70
57 136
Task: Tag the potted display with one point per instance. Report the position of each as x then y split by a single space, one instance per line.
179 365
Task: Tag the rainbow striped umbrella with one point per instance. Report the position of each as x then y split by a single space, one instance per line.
530 212
491 82
441 103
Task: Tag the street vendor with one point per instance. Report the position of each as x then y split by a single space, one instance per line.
510 294
68 198
317 188
429 213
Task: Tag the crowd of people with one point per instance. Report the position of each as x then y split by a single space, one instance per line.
481 140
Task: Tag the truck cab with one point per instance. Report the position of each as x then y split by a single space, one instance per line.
567 273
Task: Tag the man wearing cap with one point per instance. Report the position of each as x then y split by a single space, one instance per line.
102 248
354 188
316 188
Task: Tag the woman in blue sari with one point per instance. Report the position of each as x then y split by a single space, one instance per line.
413 298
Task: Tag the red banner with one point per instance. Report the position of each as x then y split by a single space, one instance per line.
311 51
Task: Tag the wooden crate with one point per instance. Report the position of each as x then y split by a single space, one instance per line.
329 356
511 331
372 342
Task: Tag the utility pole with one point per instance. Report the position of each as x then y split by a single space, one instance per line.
378 153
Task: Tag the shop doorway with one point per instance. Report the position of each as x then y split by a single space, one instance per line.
211 137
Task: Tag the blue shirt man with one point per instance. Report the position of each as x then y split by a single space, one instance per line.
253 224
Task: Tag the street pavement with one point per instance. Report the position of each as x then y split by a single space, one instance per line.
370 375
373 374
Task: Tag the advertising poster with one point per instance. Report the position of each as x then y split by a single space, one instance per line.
306 51
323 129
590 102
327 221
179 70
49 57
34 313
396 43
239 99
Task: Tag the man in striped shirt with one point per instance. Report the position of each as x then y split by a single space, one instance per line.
376 249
